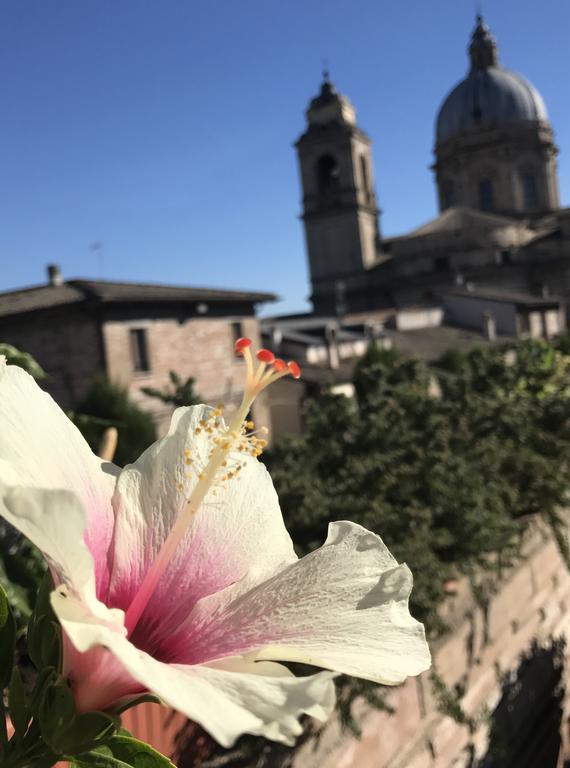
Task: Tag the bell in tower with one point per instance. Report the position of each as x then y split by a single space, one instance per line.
340 214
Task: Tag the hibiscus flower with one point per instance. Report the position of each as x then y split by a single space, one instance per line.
176 575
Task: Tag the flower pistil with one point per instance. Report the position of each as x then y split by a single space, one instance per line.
238 438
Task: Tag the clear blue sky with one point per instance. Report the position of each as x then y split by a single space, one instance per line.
164 128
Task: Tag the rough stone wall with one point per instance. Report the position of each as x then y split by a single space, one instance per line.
503 155
67 346
192 347
285 400
532 603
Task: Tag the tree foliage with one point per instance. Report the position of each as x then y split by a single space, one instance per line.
107 404
180 393
444 462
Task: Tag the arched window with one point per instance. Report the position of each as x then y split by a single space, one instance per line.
327 178
486 202
530 192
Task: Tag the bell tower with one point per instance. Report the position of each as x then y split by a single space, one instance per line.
340 213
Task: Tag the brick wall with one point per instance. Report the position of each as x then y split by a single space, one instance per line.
532 603
202 348
67 346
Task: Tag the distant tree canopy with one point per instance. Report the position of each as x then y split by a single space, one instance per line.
108 404
181 392
441 461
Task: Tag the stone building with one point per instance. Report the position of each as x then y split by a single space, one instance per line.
500 224
134 334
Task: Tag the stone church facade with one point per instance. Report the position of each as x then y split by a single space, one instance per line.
500 223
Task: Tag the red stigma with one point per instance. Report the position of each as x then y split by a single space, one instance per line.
279 365
294 370
265 356
242 344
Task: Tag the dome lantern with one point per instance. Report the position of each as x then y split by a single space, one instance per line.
330 106
490 95
483 48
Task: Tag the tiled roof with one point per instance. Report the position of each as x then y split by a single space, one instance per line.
103 291
39 297
459 218
520 299
111 291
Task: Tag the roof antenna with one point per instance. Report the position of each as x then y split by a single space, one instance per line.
479 10
97 248
326 73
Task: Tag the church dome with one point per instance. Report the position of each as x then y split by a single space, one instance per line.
490 95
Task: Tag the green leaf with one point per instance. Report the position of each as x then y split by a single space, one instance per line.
18 704
93 760
66 731
144 698
7 640
44 633
50 643
86 732
21 570
56 715
122 751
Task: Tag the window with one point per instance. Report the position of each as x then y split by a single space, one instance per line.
139 349
486 195
447 195
530 193
237 333
365 179
441 264
327 178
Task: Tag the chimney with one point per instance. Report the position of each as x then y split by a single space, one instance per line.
54 275
489 326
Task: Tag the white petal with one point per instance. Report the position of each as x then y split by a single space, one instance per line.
40 447
55 522
343 607
237 527
233 698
